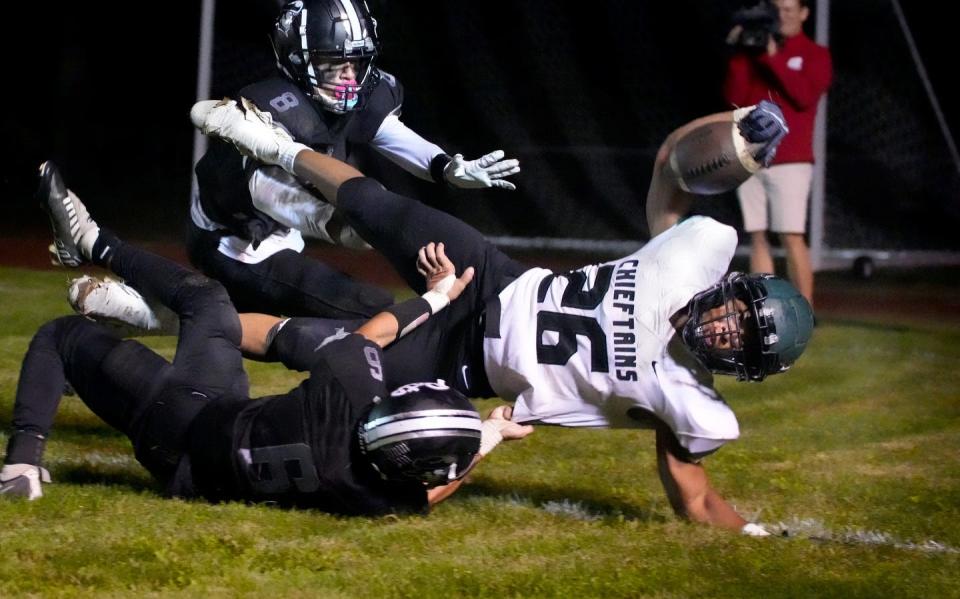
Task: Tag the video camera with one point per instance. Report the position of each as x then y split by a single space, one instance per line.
760 22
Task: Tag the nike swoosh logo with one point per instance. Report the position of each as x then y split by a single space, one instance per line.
7 487
463 373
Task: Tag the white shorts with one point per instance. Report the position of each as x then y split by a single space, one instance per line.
784 189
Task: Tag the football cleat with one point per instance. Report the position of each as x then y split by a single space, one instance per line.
251 130
23 480
112 301
73 229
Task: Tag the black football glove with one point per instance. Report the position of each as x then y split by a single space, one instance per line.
764 125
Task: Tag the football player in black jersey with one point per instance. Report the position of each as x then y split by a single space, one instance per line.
340 442
248 219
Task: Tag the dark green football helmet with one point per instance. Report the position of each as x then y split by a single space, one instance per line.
767 320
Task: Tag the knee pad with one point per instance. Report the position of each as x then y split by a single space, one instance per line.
359 189
201 288
365 204
198 294
61 330
51 331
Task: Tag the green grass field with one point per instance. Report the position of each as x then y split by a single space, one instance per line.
854 455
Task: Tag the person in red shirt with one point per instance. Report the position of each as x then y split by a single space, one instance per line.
794 72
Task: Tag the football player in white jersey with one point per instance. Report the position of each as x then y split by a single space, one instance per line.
631 342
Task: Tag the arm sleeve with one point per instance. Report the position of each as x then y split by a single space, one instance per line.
358 366
281 196
405 147
804 87
295 343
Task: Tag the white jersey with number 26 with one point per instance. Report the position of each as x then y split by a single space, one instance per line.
595 347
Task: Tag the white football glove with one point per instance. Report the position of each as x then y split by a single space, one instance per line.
487 171
250 129
498 427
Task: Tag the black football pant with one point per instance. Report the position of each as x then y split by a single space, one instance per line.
287 283
449 345
126 384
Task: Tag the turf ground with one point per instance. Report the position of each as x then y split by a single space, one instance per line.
853 456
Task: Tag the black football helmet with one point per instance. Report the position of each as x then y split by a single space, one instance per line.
423 432
765 324
312 33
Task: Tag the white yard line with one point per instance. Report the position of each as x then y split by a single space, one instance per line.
799 528
815 530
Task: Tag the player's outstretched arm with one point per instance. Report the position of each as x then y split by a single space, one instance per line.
690 493
710 155
424 159
253 132
257 333
443 286
490 170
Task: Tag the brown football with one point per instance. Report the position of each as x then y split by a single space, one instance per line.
713 158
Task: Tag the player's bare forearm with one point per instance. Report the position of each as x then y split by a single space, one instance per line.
496 428
324 172
255 339
701 503
708 507
717 512
667 203
382 329
689 492
443 287
443 492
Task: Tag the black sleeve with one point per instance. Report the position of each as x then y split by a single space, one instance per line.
357 365
294 344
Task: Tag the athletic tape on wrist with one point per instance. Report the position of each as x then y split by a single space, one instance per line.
444 285
437 300
288 154
490 435
410 314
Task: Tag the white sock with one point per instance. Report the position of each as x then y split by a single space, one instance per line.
89 237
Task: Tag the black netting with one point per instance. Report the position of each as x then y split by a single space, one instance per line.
891 183
583 96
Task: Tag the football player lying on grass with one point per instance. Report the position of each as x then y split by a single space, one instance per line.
341 442
628 343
